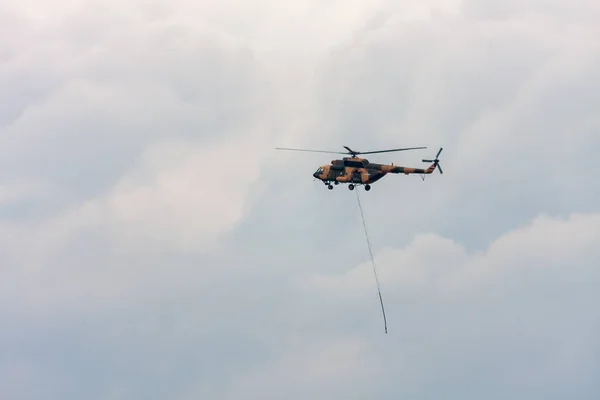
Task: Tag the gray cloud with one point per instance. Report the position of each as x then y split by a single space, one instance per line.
510 103
84 107
154 245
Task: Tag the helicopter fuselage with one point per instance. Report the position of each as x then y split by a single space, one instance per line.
360 171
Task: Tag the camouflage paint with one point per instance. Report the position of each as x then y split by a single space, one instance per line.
366 171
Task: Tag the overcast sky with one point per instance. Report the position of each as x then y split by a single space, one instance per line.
154 245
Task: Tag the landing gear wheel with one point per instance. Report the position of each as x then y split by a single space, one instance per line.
367 187
329 187
351 186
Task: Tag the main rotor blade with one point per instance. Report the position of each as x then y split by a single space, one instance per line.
387 151
312 151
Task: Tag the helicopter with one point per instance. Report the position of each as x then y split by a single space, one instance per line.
355 171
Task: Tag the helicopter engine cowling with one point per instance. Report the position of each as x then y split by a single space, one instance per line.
355 163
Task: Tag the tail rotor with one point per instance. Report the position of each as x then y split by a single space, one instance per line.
436 162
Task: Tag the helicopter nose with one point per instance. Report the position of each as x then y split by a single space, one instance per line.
316 174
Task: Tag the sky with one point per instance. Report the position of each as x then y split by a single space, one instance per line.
155 245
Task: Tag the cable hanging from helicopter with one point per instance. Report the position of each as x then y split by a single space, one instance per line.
362 216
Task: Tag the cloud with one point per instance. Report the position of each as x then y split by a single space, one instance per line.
181 198
509 100
175 193
517 316
123 115
148 229
305 369
440 264
99 104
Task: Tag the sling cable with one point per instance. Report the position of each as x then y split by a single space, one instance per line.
372 260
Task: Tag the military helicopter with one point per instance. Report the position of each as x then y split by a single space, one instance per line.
355 171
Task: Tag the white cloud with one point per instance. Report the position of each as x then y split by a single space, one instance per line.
434 263
521 314
510 100
145 215
150 137
183 194
318 370
183 197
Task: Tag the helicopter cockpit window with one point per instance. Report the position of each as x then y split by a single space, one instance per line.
319 171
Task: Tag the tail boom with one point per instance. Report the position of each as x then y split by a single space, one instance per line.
410 170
